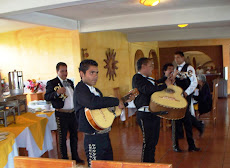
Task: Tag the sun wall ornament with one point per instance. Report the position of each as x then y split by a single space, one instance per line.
84 53
111 64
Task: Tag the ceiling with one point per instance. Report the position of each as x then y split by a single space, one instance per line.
206 18
126 7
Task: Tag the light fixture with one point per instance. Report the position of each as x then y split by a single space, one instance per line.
182 25
149 2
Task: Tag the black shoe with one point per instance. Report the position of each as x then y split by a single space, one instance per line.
79 161
177 149
194 149
202 129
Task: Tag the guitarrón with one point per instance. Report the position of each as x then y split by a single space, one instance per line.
170 100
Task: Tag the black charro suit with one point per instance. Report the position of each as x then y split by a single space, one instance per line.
52 96
97 144
65 121
148 122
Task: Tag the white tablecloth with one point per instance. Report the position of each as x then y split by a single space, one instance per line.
51 120
131 111
10 163
26 140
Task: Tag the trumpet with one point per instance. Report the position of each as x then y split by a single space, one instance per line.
184 75
63 95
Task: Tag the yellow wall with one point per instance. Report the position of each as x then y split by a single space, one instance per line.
97 44
36 51
208 42
145 47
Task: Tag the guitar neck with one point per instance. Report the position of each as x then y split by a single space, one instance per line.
125 98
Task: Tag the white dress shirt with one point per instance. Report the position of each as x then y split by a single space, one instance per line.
68 104
93 90
192 78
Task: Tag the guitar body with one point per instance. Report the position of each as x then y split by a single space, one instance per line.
169 100
101 119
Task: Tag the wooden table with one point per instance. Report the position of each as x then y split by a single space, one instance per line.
51 119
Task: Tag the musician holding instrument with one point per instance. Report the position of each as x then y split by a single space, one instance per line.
167 70
188 83
96 143
148 122
60 92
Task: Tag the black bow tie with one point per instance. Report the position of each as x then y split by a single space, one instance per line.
66 83
178 66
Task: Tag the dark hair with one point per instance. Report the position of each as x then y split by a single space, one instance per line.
84 65
142 61
60 64
165 67
179 53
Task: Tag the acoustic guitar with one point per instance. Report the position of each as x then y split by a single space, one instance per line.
101 119
169 100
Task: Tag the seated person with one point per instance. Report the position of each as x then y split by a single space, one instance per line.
204 98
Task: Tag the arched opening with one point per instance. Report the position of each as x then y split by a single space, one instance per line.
139 54
200 60
155 72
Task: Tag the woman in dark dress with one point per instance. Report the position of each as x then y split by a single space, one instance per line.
204 98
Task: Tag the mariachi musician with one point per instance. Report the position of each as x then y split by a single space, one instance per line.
96 143
148 122
188 83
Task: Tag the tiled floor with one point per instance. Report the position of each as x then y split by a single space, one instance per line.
215 144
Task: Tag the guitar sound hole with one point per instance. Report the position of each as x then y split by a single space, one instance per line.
169 90
112 109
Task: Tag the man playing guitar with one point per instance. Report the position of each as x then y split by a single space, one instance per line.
96 143
148 122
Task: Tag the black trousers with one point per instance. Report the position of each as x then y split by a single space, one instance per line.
187 122
196 123
150 127
98 147
67 122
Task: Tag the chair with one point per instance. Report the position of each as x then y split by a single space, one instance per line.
28 162
212 114
115 164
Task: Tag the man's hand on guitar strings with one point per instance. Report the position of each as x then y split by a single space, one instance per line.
185 94
121 104
168 82
175 74
131 97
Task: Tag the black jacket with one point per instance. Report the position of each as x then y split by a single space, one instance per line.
183 83
146 89
161 80
84 98
51 94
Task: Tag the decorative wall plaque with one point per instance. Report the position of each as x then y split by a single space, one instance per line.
84 53
111 64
